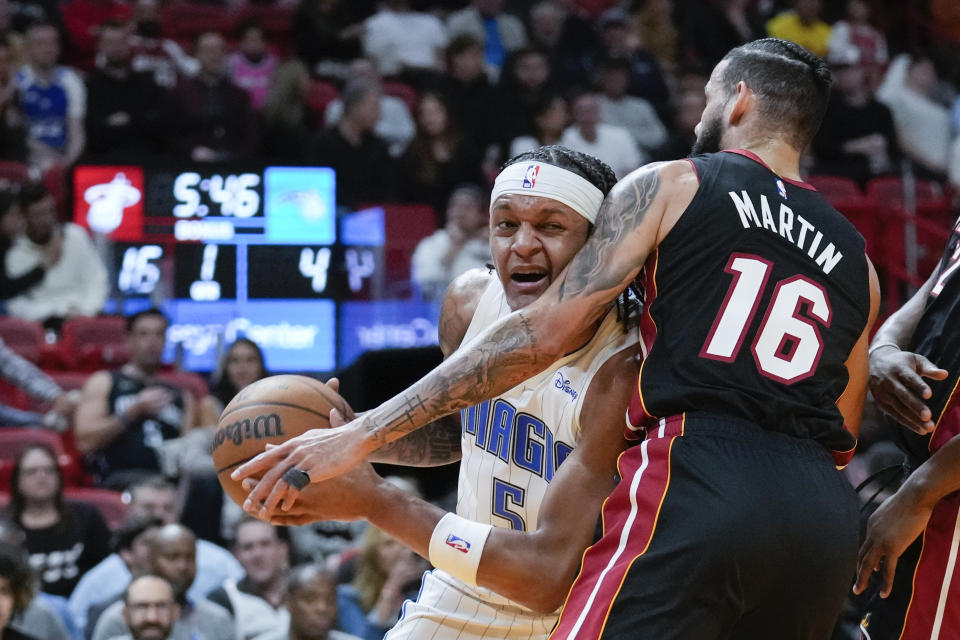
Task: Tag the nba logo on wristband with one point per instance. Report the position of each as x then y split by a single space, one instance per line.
457 543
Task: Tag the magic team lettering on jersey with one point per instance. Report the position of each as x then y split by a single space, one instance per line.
513 444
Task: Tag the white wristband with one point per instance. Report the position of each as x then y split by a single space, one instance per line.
456 546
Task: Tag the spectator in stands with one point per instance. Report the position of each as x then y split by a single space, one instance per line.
712 28
326 31
398 39
173 558
500 33
104 582
76 285
612 144
360 157
690 105
922 123
252 65
646 78
22 373
386 574
634 114
12 226
13 121
46 616
82 19
651 26
154 53
216 123
16 591
53 98
23 14
469 88
126 110
395 125
256 601
857 138
149 609
568 38
287 118
802 25
524 84
463 244
125 415
856 34
312 601
441 155
64 538
551 120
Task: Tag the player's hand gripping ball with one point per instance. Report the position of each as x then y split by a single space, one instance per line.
269 411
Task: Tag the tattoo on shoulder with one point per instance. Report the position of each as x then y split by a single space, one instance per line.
622 211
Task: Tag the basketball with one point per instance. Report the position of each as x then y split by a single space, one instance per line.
269 411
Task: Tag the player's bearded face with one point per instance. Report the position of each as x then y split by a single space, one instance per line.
709 134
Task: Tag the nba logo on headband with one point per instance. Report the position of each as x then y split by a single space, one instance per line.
530 177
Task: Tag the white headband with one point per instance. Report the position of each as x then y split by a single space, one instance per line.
549 181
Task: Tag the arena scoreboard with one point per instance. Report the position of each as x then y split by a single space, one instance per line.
260 251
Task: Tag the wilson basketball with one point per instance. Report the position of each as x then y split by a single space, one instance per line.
269 411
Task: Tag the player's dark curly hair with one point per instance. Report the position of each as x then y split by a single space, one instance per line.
793 85
592 169
15 569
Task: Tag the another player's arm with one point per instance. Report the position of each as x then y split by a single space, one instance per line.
567 516
635 216
854 395
95 427
896 376
438 443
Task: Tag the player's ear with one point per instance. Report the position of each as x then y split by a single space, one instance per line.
743 102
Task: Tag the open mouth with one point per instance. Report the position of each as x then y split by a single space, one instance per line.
528 278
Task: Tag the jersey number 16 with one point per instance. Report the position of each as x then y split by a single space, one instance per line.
788 344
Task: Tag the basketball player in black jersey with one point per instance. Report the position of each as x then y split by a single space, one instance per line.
730 520
914 374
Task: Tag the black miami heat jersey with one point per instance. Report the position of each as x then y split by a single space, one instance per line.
937 337
754 301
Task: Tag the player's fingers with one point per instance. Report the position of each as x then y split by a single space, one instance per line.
907 415
865 566
248 484
260 492
928 369
334 383
281 490
336 419
264 461
284 520
889 570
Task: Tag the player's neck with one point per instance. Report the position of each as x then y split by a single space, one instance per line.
780 157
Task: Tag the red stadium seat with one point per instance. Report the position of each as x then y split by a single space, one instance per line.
191 382
24 337
889 189
406 225
319 95
277 23
109 503
184 21
404 92
88 344
931 238
16 172
835 187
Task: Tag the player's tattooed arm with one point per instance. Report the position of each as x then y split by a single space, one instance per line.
434 445
525 342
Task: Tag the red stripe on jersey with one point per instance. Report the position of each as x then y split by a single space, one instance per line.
934 610
843 458
948 424
637 412
693 165
630 517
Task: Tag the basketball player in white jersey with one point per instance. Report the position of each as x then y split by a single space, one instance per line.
542 209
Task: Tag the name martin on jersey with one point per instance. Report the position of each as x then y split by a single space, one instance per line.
791 227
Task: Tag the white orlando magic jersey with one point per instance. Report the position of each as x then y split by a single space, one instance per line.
513 444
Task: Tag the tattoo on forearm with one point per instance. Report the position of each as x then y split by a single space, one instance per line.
436 444
621 213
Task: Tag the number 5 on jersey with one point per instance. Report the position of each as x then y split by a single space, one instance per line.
788 344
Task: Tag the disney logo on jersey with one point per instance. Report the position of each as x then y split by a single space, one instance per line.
530 177
457 543
564 385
